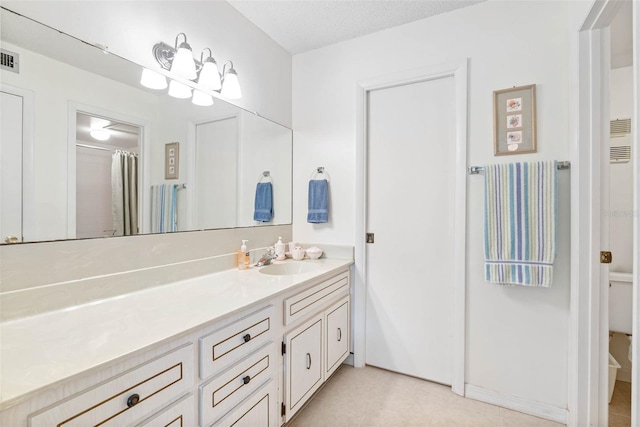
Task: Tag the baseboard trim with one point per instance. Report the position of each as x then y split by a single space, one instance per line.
537 409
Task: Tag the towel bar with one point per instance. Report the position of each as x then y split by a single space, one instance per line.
474 170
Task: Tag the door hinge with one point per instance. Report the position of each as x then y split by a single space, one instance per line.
284 347
283 410
370 237
605 257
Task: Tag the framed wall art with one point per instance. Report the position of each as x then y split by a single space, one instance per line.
171 160
514 120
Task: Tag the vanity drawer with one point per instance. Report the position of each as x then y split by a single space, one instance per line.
124 399
180 414
258 410
312 300
227 345
226 390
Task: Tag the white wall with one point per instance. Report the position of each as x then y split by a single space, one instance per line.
516 337
131 29
621 184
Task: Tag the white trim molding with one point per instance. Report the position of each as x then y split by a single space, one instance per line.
588 346
531 407
635 372
457 70
144 184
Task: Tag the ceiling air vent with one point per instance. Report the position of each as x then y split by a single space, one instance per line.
9 61
621 154
620 127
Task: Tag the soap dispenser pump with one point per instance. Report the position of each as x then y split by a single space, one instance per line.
243 256
279 249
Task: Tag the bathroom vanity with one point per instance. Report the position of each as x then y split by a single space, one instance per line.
229 348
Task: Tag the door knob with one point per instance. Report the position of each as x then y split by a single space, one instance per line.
11 239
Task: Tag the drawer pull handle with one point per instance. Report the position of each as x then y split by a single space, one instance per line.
246 380
247 338
133 400
308 361
339 334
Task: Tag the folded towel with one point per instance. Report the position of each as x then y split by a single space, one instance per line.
520 219
318 201
263 207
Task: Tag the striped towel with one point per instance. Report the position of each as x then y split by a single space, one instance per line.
164 204
521 208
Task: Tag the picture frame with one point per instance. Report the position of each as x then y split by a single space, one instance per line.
514 120
171 160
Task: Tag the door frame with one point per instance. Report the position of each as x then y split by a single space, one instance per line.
28 149
144 183
457 70
588 347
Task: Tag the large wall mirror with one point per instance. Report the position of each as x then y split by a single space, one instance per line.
167 165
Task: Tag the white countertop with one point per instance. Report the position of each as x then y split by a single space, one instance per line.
39 351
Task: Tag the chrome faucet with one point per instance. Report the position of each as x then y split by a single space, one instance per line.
266 259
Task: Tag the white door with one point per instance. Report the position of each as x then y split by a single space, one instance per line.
11 166
410 210
216 158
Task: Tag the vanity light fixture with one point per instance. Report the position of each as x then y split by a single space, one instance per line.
179 60
183 64
179 90
153 80
230 83
100 134
202 99
209 77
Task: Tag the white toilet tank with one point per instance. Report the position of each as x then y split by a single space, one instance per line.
620 302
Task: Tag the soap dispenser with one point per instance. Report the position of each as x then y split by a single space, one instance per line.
243 256
279 249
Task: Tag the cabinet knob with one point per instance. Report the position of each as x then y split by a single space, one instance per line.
133 400
247 338
246 380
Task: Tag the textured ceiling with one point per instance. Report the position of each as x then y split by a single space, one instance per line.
303 25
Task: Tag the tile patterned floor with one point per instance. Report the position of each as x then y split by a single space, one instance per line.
620 406
375 397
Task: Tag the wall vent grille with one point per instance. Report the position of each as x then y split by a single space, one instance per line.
620 154
9 61
620 127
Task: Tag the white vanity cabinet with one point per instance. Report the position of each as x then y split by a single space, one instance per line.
125 398
249 364
317 339
337 334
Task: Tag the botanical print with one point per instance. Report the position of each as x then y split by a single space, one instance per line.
514 121
514 137
514 104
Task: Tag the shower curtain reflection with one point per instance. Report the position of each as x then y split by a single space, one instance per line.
124 193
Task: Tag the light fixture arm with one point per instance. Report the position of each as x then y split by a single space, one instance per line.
202 58
185 41
224 68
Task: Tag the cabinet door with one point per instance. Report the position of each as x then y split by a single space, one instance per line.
258 410
303 364
337 335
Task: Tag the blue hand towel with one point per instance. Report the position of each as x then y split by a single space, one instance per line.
263 207
521 208
318 201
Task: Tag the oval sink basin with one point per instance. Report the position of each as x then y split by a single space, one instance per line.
288 268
